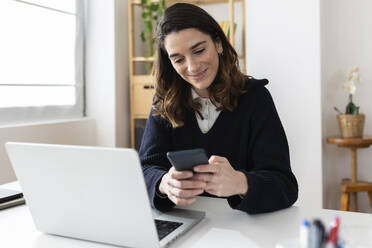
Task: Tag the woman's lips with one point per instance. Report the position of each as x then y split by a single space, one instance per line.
199 76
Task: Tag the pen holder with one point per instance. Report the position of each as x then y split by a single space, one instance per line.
314 235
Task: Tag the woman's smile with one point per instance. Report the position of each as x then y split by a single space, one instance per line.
199 76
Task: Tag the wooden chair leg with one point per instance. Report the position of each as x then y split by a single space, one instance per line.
345 201
370 197
354 201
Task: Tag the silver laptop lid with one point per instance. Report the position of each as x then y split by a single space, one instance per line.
85 192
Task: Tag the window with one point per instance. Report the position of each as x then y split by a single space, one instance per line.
41 60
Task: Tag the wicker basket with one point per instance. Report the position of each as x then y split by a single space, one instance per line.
351 126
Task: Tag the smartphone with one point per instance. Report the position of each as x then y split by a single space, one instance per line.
9 195
187 159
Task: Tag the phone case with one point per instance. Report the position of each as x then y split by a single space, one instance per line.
9 195
187 159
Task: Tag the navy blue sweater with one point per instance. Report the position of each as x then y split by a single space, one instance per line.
251 137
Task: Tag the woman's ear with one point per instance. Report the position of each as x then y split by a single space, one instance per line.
218 45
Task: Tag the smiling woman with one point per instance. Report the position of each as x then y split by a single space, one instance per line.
194 51
195 58
202 100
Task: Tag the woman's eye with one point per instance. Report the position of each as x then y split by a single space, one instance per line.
199 51
177 61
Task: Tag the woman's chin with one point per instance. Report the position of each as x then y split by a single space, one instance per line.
201 85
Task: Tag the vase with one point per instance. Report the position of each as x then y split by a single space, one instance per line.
351 126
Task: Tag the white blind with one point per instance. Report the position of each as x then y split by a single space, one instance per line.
41 59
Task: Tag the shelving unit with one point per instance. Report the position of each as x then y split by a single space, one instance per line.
142 86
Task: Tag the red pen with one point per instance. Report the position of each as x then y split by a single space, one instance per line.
333 233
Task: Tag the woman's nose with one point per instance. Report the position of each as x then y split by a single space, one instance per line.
193 66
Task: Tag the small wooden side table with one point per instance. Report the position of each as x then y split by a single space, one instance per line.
352 186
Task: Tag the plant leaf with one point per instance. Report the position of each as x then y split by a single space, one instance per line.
337 110
142 35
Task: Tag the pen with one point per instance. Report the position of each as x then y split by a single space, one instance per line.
314 236
333 233
304 234
317 234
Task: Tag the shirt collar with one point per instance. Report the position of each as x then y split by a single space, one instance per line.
196 96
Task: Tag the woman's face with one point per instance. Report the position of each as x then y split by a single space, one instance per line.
194 56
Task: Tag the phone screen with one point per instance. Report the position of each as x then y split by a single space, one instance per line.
187 159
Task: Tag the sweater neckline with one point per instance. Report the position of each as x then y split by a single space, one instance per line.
195 123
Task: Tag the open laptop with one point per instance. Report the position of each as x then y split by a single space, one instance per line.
93 193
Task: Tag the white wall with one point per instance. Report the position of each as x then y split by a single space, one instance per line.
122 110
107 70
283 45
75 132
100 68
346 41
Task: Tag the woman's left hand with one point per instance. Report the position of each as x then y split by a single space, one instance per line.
221 178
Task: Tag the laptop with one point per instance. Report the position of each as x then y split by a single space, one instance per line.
94 193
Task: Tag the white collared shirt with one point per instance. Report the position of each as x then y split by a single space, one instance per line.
208 110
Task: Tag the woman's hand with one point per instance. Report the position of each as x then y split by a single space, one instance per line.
180 187
221 178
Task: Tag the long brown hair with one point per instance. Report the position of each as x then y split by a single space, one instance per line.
172 93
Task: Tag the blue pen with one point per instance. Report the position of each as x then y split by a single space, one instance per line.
317 234
305 234
322 232
314 236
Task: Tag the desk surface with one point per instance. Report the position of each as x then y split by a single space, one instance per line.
222 227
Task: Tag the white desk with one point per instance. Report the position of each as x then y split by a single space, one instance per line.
222 227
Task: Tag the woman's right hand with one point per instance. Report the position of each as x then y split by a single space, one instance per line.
179 187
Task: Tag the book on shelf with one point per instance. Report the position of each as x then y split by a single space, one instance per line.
225 25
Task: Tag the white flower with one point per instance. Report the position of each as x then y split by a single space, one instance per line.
349 87
352 78
354 75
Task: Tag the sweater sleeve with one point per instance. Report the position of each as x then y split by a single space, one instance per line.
155 144
271 183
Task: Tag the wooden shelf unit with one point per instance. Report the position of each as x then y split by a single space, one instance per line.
142 86
196 2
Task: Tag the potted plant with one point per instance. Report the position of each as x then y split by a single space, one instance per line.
351 123
151 14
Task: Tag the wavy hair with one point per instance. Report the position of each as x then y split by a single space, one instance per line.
172 93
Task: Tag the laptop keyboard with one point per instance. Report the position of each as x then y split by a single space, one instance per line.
166 227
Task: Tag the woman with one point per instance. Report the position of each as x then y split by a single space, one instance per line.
202 100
